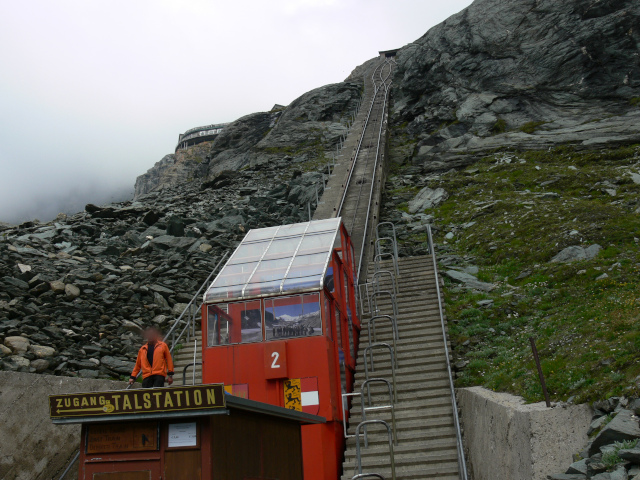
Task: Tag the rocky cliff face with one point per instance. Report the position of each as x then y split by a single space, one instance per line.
304 130
175 169
520 73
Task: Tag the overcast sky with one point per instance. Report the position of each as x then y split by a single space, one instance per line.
93 93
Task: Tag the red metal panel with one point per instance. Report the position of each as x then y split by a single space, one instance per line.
275 360
314 359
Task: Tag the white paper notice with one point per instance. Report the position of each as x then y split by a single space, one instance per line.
183 435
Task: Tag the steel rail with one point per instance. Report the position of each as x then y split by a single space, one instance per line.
462 464
366 163
375 165
364 130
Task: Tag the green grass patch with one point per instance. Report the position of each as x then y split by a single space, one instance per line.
531 127
499 127
525 211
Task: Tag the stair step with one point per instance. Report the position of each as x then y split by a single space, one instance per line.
443 471
405 459
423 403
436 433
418 447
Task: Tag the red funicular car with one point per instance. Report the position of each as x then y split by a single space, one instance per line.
280 326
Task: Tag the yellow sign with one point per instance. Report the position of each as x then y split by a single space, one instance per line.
156 400
292 394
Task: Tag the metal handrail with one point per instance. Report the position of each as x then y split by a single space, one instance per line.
394 255
462 464
175 339
395 240
392 355
376 280
394 327
367 475
392 297
358 455
184 371
366 384
344 407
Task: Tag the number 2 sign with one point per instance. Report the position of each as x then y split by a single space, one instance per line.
275 360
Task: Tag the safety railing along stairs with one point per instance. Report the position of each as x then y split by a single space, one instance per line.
403 342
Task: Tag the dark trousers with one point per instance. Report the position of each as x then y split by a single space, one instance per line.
153 381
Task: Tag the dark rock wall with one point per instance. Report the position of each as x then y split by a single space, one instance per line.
498 65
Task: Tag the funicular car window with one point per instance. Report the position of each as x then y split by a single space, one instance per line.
347 299
229 323
341 358
328 280
327 317
294 316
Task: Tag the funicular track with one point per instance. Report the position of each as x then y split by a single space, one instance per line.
423 416
364 176
414 363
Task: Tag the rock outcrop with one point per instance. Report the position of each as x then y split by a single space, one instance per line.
305 130
520 74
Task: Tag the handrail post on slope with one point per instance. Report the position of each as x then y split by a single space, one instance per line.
389 435
392 355
462 463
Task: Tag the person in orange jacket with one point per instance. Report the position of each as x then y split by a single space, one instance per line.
154 359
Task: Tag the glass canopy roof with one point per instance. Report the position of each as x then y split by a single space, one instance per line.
276 260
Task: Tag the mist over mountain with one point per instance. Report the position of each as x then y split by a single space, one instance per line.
69 199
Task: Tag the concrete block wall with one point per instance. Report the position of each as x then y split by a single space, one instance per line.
31 447
506 439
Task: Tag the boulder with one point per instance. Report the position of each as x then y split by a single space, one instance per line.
83 373
205 248
41 351
178 308
71 292
118 365
596 424
623 427
578 468
619 473
18 345
634 405
175 227
468 280
427 198
40 365
633 455
57 286
166 242
602 476
575 253
151 217
16 363
131 326
159 320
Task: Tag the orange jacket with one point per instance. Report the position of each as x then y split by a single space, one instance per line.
162 362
